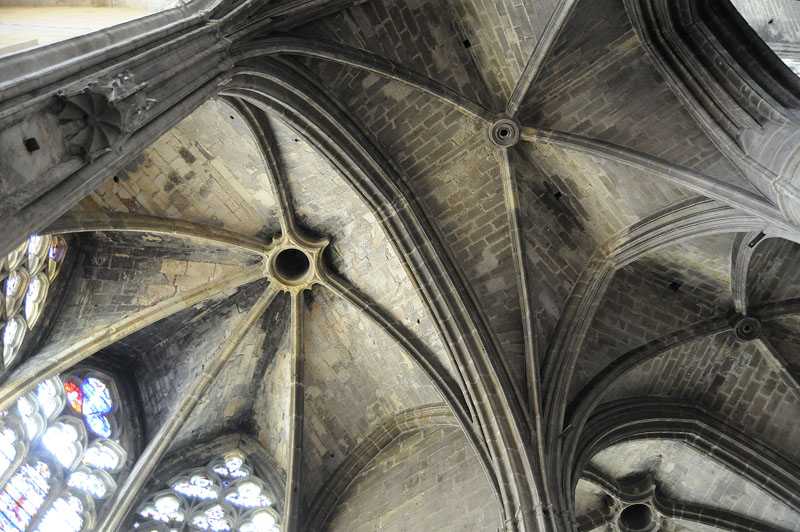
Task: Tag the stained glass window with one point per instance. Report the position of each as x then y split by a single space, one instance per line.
99 424
32 267
261 521
92 398
96 404
23 495
225 496
28 410
8 451
13 334
104 454
37 244
96 398
64 515
10 332
96 483
14 283
62 440
57 471
166 508
74 396
34 299
197 487
17 257
50 400
212 518
247 494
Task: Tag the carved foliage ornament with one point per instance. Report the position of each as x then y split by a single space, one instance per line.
103 111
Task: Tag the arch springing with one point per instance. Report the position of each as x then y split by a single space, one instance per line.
225 496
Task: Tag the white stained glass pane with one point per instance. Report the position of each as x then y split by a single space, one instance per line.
16 256
149 512
168 509
35 288
248 495
89 483
23 495
212 519
260 522
28 410
233 462
13 283
47 393
101 457
7 450
197 487
61 440
232 468
36 244
10 332
65 515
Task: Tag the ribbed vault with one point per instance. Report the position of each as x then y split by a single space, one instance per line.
543 251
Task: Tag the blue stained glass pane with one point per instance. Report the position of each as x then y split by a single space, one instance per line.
24 494
6 525
96 398
99 424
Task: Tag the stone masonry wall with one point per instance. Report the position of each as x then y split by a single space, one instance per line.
598 81
428 479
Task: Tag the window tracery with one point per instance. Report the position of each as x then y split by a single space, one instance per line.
224 497
25 277
55 471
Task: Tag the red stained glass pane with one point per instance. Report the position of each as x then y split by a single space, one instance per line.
74 396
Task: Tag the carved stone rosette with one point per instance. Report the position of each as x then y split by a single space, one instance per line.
104 111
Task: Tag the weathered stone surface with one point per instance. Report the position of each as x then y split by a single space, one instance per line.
207 169
123 273
355 378
409 481
360 250
229 403
169 368
772 275
671 462
599 81
419 35
567 249
726 377
638 307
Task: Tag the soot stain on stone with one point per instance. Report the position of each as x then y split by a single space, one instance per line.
187 155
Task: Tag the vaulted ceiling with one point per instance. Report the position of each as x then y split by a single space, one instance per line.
602 281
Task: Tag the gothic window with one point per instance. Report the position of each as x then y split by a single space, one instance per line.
64 515
92 399
56 471
25 277
23 495
224 497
